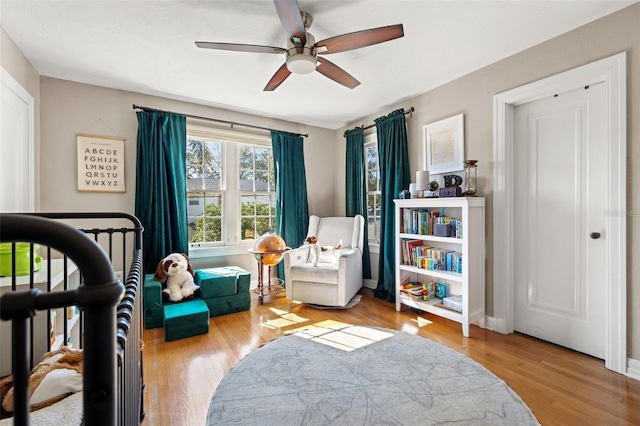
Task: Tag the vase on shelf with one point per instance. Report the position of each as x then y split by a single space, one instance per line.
470 169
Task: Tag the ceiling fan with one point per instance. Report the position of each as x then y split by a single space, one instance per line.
303 52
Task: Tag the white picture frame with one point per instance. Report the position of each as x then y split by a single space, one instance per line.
100 164
444 145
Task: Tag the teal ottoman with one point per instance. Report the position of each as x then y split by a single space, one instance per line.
225 290
185 319
152 302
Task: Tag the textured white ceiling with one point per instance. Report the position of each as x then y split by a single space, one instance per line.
148 47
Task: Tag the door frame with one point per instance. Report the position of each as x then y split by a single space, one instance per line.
10 83
612 72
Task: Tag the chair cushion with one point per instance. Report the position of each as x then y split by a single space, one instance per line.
330 230
323 273
152 300
185 319
216 282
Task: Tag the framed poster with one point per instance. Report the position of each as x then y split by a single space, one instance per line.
444 145
100 164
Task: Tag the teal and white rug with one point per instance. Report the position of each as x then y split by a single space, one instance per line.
354 375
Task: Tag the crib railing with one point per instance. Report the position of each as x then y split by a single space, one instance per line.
129 348
110 319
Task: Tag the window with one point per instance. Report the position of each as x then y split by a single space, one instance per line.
230 187
372 170
257 186
204 190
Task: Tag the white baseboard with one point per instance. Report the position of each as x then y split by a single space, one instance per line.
489 323
633 365
369 284
633 369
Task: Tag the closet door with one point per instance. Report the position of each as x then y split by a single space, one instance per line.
17 182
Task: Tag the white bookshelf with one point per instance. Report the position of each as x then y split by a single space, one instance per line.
470 283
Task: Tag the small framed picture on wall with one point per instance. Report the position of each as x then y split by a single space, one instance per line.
444 145
100 164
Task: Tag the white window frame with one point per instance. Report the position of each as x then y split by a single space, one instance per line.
241 193
371 140
231 243
221 191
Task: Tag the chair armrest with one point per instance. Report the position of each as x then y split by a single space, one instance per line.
350 252
348 261
350 274
296 256
152 291
152 302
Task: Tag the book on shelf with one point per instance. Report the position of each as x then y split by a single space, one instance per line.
421 221
435 259
408 251
441 291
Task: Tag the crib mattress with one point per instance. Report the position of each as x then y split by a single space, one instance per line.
67 411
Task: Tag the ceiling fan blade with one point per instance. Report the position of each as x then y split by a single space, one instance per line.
291 20
240 47
359 39
277 79
337 74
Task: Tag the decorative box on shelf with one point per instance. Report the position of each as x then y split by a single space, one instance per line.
453 302
450 191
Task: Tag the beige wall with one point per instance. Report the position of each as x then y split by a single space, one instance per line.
69 108
472 95
14 62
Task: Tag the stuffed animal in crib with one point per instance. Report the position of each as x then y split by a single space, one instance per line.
322 254
177 272
57 375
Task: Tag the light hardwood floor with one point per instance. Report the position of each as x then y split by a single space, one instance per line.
560 386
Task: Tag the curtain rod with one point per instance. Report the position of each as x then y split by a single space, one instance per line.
410 111
232 123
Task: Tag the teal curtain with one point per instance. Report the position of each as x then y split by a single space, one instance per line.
161 188
356 189
394 177
292 207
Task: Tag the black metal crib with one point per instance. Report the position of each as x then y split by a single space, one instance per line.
108 323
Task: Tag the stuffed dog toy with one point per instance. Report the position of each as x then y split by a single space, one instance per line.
176 270
324 254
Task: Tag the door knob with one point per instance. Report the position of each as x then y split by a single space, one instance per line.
594 235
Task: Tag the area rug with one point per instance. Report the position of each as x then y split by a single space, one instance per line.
353 375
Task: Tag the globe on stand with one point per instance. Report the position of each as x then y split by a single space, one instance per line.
269 250
273 247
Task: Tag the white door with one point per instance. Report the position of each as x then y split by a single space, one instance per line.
560 161
17 193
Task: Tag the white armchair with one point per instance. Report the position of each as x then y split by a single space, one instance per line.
327 284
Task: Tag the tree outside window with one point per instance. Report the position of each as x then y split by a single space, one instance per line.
373 189
256 181
204 190
230 188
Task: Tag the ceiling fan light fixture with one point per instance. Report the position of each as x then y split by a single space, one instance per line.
303 54
301 63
